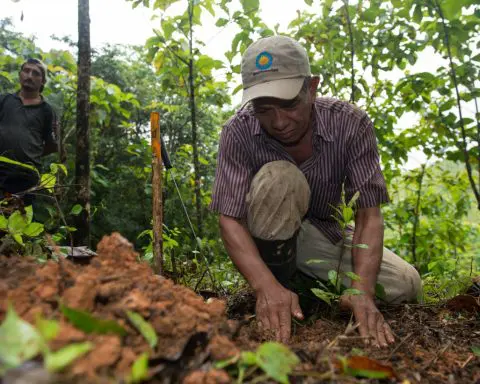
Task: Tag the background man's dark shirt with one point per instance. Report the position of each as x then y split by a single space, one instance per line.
24 129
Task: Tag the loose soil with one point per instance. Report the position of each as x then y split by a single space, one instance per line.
433 342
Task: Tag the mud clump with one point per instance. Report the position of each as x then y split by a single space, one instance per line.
111 284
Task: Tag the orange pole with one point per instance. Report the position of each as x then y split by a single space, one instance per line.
157 203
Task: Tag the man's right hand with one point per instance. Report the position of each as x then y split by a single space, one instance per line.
274 310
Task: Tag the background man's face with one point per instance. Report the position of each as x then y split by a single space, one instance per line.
31 77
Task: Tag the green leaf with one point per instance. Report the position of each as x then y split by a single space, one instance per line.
326 296
354 199
333 277
248 358
29 214
56 361
225 363
250 6
13 162
18 239
48 328
3 223
352 291
347 214
370 15
76 210
353 276
476 350
139 369
453 8
380 291
90 324
221 22
276 360
33 229
48 181
308 2
417 14
19 341
361 246
144 328
17 223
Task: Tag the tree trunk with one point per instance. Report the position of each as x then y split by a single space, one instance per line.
196 163
82 154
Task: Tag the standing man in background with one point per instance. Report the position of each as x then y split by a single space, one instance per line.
283 161
27 129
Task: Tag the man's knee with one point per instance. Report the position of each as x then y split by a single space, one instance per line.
402 283
277 201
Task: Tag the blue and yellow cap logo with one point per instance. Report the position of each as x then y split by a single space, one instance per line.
264 61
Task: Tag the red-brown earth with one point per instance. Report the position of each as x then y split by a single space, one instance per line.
433 342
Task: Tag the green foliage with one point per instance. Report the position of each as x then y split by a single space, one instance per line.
144 327
139 371
20 342
276 360
58 360
90 324
19 224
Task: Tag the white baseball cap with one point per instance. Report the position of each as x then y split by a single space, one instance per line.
274 66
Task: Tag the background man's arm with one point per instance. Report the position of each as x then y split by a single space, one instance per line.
50 135
275 304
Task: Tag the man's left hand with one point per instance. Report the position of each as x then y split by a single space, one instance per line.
372 325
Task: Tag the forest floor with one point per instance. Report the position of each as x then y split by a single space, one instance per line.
433 343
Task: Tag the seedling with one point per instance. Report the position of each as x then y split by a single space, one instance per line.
276 360
333 289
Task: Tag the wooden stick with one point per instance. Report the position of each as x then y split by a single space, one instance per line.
157 208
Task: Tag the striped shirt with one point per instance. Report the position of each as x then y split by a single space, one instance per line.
344 152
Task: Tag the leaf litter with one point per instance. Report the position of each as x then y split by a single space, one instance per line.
171 335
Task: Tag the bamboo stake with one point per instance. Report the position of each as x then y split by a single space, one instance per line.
157 206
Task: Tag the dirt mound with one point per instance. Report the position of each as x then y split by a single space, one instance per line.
435 344
111 284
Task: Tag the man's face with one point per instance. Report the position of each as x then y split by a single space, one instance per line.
31 77
287 121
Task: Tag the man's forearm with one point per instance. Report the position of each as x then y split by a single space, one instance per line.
244 253
366 262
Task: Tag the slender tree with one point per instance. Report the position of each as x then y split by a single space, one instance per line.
193 120
82 160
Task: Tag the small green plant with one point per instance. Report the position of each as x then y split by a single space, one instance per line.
20 341
276 361
21 233
19 226
331 290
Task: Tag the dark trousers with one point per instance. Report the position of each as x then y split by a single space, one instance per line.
15 180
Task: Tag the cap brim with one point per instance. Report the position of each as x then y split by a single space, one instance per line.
285 89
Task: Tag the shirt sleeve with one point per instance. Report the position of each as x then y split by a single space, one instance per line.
363 172
50 127
232 177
